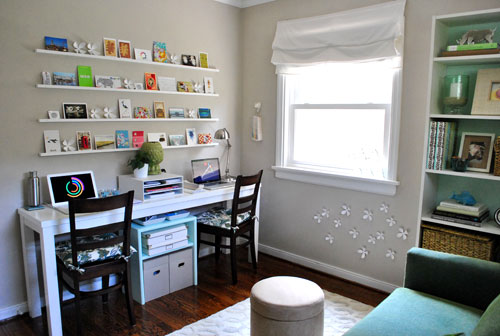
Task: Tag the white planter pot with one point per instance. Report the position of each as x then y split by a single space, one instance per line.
142 172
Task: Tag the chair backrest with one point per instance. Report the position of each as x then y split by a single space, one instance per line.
120 229
246 203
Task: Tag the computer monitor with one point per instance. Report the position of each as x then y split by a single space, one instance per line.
206 170
66 186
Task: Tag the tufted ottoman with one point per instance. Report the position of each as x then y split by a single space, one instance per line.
286 306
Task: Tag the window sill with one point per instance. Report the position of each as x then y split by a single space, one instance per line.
375 186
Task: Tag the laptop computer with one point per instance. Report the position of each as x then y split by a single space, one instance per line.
66 186
207 173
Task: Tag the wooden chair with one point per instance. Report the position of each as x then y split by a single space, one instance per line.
239 221
97 252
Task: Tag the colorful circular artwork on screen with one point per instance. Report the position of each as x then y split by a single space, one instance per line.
75 187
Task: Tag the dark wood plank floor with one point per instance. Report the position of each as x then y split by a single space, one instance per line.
172 312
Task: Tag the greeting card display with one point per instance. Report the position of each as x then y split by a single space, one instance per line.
122 140
83 140
204 138
56 43
150 79
125 107
104 141
52 141
191 136
124 49
203 60
109 47
160 52
185 86
85 76
137 139
143 55
141 112
64 78
159 109
158 137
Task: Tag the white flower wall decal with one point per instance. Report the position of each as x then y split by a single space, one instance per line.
363 252
337 223
79 47
390 254
371 239
68 145
354 233
109 113
174 59
192 113
368 215
384 207
197 87
391 221
380 235
329 238
95 113
317 218
402 233
92 48
129 84
346 210
325 212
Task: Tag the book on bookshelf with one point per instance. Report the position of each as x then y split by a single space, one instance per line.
461 211
461 216
456 220
441 144
477 46
451 203
469 52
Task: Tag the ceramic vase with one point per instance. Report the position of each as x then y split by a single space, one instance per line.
141 172
154 153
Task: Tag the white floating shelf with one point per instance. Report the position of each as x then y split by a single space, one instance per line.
487 226
467 60
128 60
127 120
87 88
468 174
94 151
465 116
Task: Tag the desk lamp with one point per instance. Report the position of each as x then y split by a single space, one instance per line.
223 134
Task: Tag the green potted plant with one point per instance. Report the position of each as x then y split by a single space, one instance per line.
140 164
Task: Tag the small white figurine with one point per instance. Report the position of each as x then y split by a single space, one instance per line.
92 48
477 36
129 85
108 113
197 87
95 113
192 113
68 145
79 47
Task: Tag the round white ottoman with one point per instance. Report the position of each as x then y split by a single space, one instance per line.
286 306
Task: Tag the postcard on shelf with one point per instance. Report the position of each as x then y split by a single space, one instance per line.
189 60
109 47
167 84
176 112
143 55
64 78
106 141
159 109
204 113
204 138
125 108
203 59
158 137
137 139
191 137
54 114
52 141
209 84
159 52
184 86
138 86
46 78
56 43
124 50
141 112
177 140
110 82
83 140
75 111
122 140
150 79
85 76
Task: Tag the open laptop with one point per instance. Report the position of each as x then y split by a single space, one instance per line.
207 172
66 186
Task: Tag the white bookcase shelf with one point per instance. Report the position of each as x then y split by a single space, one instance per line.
467 174
94 151
103 120
464 117
468 60
487 226
127 60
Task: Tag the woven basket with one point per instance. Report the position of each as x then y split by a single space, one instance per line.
496 169
458 241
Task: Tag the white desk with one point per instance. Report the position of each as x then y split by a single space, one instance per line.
49 222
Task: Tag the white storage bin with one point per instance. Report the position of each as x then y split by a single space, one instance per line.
160 249
162 237
156 277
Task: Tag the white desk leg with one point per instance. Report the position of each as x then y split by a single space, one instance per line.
257 225
30 269
50 282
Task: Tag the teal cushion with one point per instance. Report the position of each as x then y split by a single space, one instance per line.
407 312
489 324
221 218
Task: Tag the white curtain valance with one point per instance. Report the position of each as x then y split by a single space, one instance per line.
368 33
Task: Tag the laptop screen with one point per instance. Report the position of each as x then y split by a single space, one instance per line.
205 170
66 186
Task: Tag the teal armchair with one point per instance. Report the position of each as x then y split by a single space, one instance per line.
443 294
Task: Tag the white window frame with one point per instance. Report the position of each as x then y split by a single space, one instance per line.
284 170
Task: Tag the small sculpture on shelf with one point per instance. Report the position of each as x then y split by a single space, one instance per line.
477 36
458 164
109 113
153 151
68 145
92 47
464 198
79 47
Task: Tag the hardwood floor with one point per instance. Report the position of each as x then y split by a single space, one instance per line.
173 311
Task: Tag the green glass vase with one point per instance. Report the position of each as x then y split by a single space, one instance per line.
154 153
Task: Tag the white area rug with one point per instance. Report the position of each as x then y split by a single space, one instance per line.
341 314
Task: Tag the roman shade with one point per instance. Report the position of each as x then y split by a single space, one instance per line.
362 34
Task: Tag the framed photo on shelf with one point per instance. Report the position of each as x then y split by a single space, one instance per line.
46 78
143 113
209 84
204 138
104 141
189 60
204 113
109 47
203 59
191 137
64 78
158 137
54 114
56 43
83 140
185 86
75 111
150 79
125 108
487 93
110 82
159 109
160 52
176 112
124 49
477 148
143 55
177 140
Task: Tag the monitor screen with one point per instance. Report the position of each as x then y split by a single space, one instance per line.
205 170
64 187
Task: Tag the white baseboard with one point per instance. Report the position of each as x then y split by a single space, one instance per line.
14 310
329 269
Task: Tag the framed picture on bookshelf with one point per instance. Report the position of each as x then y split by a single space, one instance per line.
124 49
75 111
176 112
159 109
150 79
487 93
177 140
106 141
191 136
477 148
109 47
83 140
143 55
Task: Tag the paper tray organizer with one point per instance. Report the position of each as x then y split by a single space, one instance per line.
157 241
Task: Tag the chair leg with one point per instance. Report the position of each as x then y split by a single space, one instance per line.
128 297
78 317
61 285
105 285
233 259
217 246
252 249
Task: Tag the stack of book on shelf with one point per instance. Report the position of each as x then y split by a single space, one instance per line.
441 144
452 211
471 49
